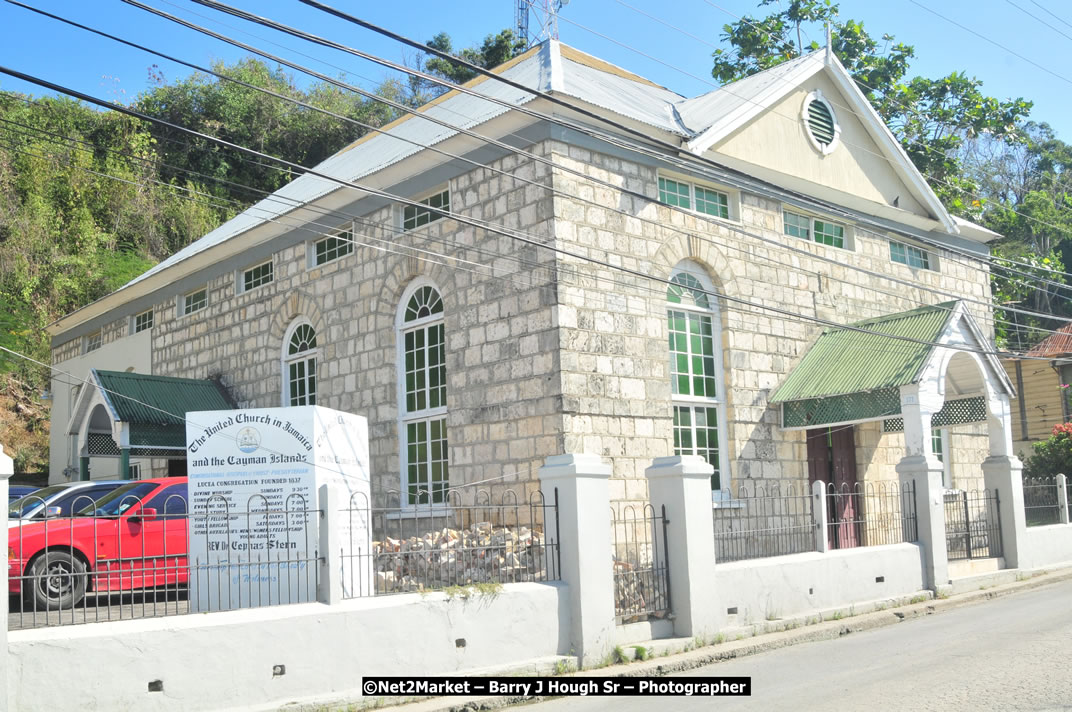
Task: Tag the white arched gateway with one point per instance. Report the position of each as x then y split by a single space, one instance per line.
918 372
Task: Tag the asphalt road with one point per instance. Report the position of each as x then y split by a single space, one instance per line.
99 608
1011 653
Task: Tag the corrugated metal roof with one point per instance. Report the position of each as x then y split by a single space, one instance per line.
700 113
141 399
844 361
622 95
1055 345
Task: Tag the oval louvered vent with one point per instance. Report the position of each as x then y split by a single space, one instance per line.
821 123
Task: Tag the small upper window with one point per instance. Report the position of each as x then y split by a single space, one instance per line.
334 247
143 321
809 228
257 276
430 209
694 197
821 123
909 255
93 341
195 301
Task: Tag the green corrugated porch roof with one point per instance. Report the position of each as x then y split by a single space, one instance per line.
844 361
155 407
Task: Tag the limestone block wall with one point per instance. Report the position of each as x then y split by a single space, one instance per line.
614 350
503 389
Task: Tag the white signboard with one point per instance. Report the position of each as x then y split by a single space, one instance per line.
255 493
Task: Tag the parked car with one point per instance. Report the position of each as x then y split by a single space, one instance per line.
132 538
59 500
17 491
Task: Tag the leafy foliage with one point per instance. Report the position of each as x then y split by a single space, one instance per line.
495 50
1053 455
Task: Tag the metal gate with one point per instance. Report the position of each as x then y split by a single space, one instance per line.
973 524
641 564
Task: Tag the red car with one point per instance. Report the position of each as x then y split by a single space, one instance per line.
134 538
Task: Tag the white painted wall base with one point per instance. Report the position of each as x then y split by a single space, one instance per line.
1047 546
783 586
220 661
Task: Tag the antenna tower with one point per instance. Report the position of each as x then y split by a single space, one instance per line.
546 16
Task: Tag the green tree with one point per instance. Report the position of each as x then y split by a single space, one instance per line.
495 50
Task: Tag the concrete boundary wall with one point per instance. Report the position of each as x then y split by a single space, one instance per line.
783 586
1047 546
220 661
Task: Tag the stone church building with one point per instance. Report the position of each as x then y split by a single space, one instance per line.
508 275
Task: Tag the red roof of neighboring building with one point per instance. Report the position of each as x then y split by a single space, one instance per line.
1056 344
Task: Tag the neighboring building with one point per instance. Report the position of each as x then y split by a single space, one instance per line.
475 355
1042 379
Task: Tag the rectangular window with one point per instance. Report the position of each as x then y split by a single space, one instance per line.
696 433
195 301
430 209
692 354
257 276
94 341
332 248
809 228
302 380
674 193
940 447
143 321
426 461
909 255
687 195
426 369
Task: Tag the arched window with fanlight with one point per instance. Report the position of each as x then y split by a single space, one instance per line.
423 396
696 387
299 365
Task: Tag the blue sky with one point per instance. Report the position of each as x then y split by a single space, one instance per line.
629 38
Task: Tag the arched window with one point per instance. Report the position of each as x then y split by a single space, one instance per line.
299 365
696 369
423 397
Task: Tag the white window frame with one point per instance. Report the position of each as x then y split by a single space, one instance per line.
817 96
240 277
286 360
719 401
93 341
848 240
440 190
310 255
182 303
947 455
427 414
733 197
134 321
932 260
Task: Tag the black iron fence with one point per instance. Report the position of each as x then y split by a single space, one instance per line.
135 558
641 563
763 521
468 538
1041 501
871 514
973 524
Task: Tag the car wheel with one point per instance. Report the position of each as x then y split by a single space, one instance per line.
58 580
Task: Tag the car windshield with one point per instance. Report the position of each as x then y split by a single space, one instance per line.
22 506
118 501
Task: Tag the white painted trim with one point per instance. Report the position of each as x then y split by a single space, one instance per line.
817 96
400 208
310 244
240 276
733 195
180 305
285 360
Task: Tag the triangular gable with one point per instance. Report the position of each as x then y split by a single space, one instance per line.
745 102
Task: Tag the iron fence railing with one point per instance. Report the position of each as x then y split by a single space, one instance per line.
641 563
1041 501
137 562
467 538
871 514
973 524
763 521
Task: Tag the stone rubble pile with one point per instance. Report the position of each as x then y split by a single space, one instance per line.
482 553
639 593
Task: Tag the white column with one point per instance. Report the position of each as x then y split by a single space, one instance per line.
1003 472
1062 499
7 469
820 515
579 485
920 466
682 484
330 545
